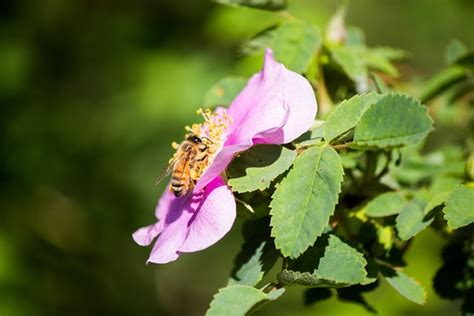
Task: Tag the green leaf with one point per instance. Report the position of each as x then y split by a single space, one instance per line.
295 43
224 91
456 49
436 201
442 81
379 84
395 120
251 272
412 220
305 200
386 204
406 286
347 114
351 59
237 300
355 36
255 168
270 5
459 209
260 41
335 264
257 255
378 61
341 263
390 53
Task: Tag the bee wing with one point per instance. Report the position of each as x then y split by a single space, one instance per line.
170 167
165 172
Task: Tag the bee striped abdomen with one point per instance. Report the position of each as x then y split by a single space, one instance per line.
180 181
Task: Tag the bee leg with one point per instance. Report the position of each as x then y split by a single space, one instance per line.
194 175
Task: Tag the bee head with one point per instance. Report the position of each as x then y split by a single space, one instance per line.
195 139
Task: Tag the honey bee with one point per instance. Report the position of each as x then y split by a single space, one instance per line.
187 164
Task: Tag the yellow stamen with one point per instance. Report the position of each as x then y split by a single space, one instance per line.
212 131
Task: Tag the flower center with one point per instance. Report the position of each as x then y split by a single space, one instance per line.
213 133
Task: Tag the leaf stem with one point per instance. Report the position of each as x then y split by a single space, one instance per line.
340 146
325 102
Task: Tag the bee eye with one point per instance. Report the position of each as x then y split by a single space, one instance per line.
197 140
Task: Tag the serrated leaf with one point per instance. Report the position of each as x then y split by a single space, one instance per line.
386 204
395 120
255 168
347 114
224 91
341 263
237 300
412 220
330 263
442 81
305 200
459 209
251 272
271 5
436 201
405 285
257 255
295 43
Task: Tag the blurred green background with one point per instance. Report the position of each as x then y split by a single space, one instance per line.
92 93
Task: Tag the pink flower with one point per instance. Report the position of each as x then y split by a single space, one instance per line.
275 107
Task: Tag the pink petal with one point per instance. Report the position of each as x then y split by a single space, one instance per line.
213 220
145 235
276 106
189 223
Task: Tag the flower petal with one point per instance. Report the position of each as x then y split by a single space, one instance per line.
189 223
145 235
214 218
275 97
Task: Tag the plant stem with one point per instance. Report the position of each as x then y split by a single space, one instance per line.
371 165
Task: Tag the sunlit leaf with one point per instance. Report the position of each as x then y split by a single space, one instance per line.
334 265
386 204
305 199
295 43
406 286
257 255
412 220
351 59
237 300
257 167
395 120
459 210
348 114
